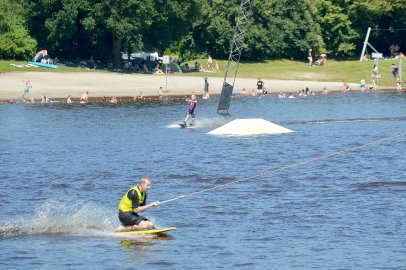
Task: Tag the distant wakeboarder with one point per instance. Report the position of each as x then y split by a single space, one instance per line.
191 112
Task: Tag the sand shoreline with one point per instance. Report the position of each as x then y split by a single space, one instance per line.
60 85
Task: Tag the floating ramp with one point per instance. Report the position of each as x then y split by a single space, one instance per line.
244 127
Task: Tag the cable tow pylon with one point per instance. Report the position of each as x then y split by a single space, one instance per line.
234 57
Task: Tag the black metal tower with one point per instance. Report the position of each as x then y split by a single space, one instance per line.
234 57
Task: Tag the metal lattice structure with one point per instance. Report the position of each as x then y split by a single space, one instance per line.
234 57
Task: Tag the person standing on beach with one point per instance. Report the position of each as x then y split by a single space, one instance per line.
133 203
69 100
160 93
363 85
27 87
394 70
310 58
260 86
191 111
210 63
346 86
206 86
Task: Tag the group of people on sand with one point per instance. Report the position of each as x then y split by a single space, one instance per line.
262 90
45 100
300 93
322 61
212 66
26 92
366 87
84 99
259 91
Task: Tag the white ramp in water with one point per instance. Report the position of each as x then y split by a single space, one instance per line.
255 126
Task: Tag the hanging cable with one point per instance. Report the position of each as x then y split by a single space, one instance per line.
286 167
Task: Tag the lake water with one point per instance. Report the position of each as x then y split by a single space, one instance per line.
64 170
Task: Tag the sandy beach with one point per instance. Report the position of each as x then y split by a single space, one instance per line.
104 84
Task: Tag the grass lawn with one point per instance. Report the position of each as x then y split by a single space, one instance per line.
335 71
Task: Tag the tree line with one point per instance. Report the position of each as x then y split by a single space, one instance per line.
102 29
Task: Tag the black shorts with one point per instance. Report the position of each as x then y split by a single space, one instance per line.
130 218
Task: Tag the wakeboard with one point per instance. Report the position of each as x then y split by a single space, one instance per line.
147 231
182 125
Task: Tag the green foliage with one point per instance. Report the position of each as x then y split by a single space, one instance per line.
15 41
193 28
296 21
345 49
379 14
337 28
170 53
188 50
174 22
283 28
212 32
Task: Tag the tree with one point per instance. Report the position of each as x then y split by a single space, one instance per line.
212 32
62 32
278 28
81 28
338 34
173 23
124 20
297 21
15 41
105 28
379 14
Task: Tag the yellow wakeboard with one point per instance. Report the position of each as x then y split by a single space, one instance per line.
148 231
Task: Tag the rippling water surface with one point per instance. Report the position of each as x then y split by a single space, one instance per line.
64 170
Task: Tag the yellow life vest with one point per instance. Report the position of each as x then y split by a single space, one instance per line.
126 205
